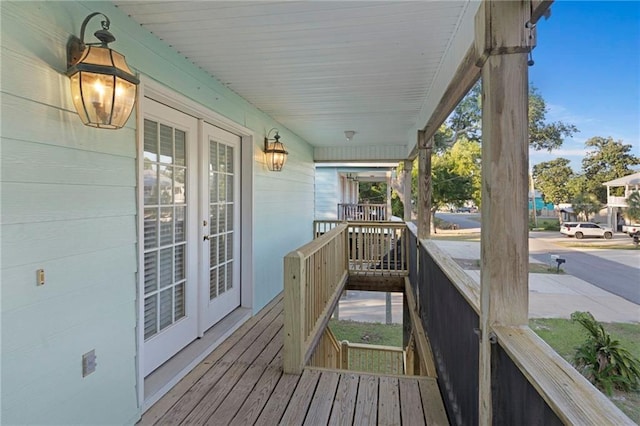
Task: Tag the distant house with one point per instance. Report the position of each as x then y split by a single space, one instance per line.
617 203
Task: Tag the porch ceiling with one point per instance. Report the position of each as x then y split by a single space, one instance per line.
323 67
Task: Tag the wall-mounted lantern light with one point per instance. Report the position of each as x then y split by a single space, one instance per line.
103 88
349 134
274 152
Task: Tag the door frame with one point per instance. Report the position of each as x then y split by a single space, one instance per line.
152 89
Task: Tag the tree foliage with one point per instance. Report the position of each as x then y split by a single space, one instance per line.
551 179
606 160
466 120
454 173
585 204
633 210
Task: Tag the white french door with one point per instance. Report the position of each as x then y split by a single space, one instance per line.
191 230
220 220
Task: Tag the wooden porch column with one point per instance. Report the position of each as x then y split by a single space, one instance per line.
388 215
502 41
424 185
406 196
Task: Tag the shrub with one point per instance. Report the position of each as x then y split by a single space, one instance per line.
602 360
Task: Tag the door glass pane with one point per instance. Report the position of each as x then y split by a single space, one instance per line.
213 283
151 186
150 316
166 226
150 141
166 308
150 227
165 215
179 302
179 269
150 272
181 153
221 212
166 144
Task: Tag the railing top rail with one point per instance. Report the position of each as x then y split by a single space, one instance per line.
362 204
381 223
567 392
469 289
368 347
314 245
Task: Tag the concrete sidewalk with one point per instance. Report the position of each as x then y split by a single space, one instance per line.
556 296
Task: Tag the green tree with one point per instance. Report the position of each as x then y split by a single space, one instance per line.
633 210
606 160
466 120
551 179
372 192
584 204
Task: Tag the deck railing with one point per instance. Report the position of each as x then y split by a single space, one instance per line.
375 248
531 382
371 358
314 278
362 212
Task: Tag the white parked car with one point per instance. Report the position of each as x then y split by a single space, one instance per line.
586 229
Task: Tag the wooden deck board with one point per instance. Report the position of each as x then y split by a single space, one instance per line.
257 399
367 401
389 401
434 411
411 407
242 383
320 409
265 344
301 399
343 406
227 410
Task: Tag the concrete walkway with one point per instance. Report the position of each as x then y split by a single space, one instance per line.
556 296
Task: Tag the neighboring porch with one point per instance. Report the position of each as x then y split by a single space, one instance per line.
242 382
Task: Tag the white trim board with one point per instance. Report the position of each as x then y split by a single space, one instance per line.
154 90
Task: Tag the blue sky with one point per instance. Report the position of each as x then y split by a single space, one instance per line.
587 69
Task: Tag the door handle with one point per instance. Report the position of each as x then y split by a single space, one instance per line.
206 238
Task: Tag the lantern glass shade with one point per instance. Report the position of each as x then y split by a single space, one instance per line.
103 88
276 156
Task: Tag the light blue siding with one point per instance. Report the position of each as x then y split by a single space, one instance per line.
69 207
327 192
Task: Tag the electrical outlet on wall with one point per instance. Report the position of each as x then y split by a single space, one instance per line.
89 363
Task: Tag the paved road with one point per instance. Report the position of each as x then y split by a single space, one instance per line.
463 220
617 271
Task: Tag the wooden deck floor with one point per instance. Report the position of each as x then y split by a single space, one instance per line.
242 383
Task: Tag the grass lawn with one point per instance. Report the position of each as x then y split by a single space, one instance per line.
534 268
596 245
565 335
372 333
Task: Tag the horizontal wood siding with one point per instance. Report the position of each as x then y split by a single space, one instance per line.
69 207
327 193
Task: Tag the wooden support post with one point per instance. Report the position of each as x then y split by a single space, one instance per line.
502 44
424 185
344 355
294 312
389 213
406 196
